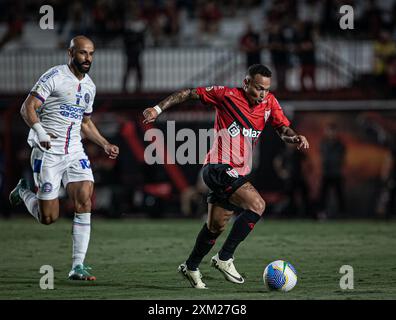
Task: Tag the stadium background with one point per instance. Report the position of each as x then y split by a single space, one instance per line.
180 44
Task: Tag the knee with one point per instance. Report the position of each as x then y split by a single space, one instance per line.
83 204
217 227
48 219
257 206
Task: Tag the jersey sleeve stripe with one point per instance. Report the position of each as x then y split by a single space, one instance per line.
36 95
86 114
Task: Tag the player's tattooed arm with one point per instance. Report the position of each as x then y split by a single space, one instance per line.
288 135
92 133
150 114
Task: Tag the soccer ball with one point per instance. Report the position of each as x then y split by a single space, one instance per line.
280 275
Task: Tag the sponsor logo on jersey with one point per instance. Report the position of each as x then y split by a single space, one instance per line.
71 111
37 88
46 187
50 74
251 133
234 130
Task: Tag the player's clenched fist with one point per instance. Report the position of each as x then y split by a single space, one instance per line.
112 150
150 114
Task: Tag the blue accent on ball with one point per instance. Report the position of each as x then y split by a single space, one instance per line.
275 278
292 268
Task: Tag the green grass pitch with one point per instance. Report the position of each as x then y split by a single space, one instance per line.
137 259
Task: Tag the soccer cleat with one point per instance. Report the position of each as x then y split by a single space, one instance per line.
81 272
14 197
194 277
227 268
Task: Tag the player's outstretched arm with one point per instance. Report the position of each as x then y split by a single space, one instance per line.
288 135
150 114
92 133
29 115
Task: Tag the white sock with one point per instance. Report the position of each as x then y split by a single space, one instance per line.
31 202
81 233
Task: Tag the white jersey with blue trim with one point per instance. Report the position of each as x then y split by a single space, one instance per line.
66 100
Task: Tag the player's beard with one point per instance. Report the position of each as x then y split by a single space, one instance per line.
80 66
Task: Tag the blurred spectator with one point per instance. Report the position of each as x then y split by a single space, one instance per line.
332 151
134 42
372 22
289 165
210 17
305 49
279 54
387 199
15 24
310 12
249 43
170 21
384 50
330 17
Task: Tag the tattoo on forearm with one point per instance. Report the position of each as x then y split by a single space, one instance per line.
178 97
287 134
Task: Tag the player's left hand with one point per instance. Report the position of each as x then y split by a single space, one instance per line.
302 142
112 150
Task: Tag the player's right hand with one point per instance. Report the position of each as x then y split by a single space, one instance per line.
45 140
150 114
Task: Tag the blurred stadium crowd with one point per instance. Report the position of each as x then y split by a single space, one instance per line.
289 32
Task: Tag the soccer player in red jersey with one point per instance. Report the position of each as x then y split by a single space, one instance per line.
241 114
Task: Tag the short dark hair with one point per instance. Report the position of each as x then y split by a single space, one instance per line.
259 69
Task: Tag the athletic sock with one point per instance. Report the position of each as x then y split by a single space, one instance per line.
242 226
204 242
81 234
31 202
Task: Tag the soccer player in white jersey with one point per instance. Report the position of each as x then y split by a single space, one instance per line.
58 110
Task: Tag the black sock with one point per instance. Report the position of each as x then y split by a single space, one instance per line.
243 224
205 241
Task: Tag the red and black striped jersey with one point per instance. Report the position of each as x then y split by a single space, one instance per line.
238 125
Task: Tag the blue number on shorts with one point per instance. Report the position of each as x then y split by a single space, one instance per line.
85 164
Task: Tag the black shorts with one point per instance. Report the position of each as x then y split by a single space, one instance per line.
223 181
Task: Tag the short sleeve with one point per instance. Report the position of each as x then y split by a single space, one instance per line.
278 118
211 95
45 85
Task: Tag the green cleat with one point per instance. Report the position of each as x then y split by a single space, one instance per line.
14 197
81 272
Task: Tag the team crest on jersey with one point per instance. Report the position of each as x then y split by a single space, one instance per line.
209 88
233 129
86 97
46 187
267 114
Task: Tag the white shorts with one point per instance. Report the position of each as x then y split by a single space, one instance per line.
50 169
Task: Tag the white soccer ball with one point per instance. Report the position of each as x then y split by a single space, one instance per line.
280 275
